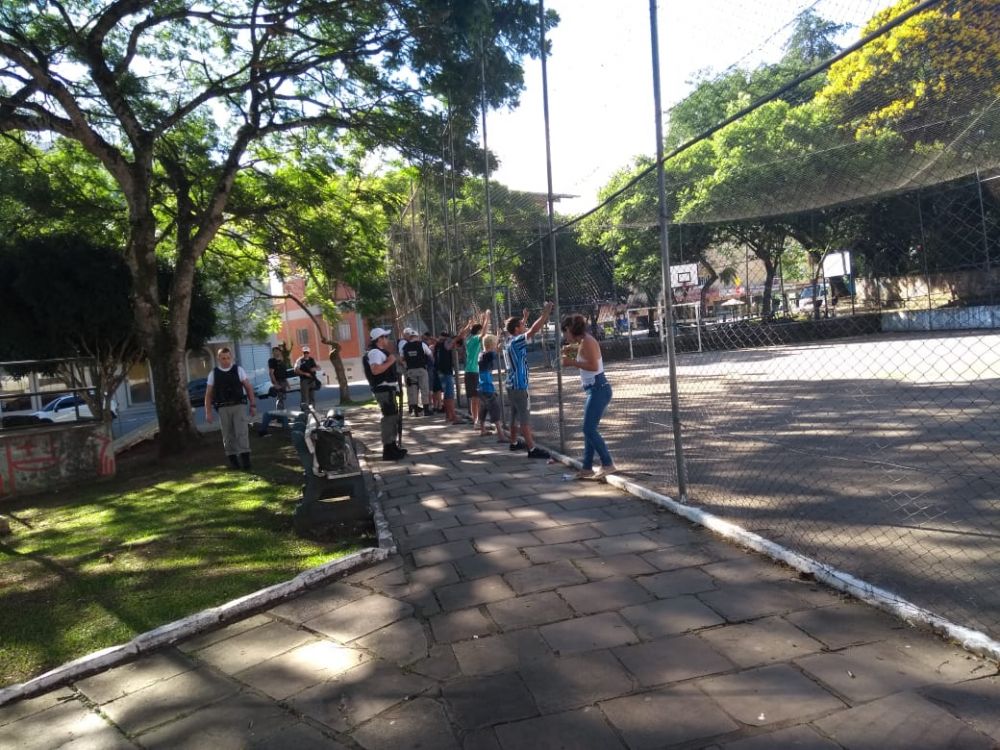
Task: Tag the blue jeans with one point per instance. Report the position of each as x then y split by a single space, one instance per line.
598 398
447 384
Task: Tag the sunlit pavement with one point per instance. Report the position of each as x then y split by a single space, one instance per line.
528 611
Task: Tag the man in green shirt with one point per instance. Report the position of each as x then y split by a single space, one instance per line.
473 345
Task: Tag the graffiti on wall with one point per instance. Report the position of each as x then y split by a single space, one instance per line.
35 460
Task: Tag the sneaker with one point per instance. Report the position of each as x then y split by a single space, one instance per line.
584 474
538 453
518 446
604 471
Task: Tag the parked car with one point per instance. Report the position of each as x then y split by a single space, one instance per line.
196 391
263 386
69 408
806 299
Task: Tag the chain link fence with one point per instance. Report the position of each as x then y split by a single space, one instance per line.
835 302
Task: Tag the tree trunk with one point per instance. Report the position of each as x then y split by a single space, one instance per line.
338 367
767 303
177 426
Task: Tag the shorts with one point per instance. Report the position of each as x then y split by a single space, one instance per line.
520 408
435 381
489 404
447 384
472 384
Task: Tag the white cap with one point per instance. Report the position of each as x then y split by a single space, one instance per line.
378 333
409 332
305 349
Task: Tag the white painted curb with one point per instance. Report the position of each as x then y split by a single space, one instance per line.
971 640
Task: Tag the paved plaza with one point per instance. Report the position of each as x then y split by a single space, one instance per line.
526 611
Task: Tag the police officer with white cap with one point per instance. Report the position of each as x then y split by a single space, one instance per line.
379 363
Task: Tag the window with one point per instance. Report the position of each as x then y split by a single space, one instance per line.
344 331
302 336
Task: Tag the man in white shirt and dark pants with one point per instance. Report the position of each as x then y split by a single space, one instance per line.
379 364
229 390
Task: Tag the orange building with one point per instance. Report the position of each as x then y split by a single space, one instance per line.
298 329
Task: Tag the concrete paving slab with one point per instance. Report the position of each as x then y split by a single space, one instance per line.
976 702
502 561
604 595
668 716
846 624
440 553
420 724
460 625
765 641
585 729
749 601
588 633
473 531
317 602
19 710
629 524
573 533
500 653
203 640
677 583
301 668
598 568
60 724
168 700
479 702
473 593
401 643
529 610
299 736
359 618
358 695
768 695
544 577
107 686
620 545
236 722
669 660
496 542
670 617
681 556
552 552
440 664
254 646
561 683
433 576
793 738
904 720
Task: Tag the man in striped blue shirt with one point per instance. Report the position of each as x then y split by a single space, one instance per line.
516 354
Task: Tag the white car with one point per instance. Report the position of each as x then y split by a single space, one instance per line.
263 386
69 408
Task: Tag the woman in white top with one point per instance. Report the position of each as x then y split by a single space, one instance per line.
584 353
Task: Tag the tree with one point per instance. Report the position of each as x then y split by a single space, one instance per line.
176 99
55 307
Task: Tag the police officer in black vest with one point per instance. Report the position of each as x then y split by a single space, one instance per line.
416 356
229 390
379 364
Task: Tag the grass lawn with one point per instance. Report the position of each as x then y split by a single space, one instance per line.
92 566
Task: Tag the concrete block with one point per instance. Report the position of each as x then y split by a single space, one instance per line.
597 568
671 660
239 721
496 542
206 639
762 642
359 618
975 702
562 683
620 545
479 702
793 738
401 643
63 724
543 577
552 552
677 583
682 556
668 716
500 653
314 603
114 683
584 729
254 646
778 693
574 533
358 695
301 668
740 602
903 720
440 553
473 593
502 561
588 633
670 617
608 594
460 625
416 725
529 610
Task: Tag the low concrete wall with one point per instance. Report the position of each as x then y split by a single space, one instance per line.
42 458
942 319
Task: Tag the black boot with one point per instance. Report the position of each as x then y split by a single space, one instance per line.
234 461
245 461
428 410
416 411
392 452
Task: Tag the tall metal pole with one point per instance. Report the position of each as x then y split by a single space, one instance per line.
668 303
551 211
497 319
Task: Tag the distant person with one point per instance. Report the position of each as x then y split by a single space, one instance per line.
379 363
444 364
517 380
473 345
584 352
307 369
489 401
228 391
277 372
416 356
